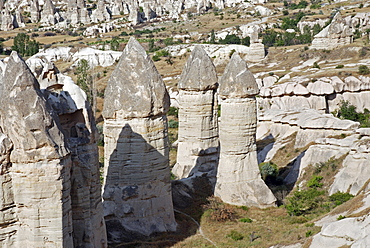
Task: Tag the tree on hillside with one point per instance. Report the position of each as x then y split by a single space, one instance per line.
24 45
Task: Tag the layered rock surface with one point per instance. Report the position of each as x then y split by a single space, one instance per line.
238 178
51 195
337 33
198 122
38 194
137 189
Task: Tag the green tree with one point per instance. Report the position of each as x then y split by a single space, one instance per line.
230 39
84 80
114 44
24 45
213 37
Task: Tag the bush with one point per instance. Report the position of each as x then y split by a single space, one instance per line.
348 111
340 198
230 39
173 124
315 182
156 58
304 201
234 235
173 112
24 45
246 220
268 169
339 67
315 65
363 70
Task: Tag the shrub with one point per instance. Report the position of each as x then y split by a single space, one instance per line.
234 235
315 182
230 39
268 169
304 201
339 66
341 217
315 65
173 124
363 70
246 220
309 233
348 111
156 58
173 112
340 198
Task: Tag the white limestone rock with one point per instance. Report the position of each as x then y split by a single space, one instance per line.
238 178
198 122
137 190
39 161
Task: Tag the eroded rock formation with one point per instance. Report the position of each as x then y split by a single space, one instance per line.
238 178
38 193
50 169
198 121
137 191
337 33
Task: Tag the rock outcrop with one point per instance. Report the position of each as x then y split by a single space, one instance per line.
50 168
137 190
79 128
7 20
38 194
324 95
238 178
49 16
100 14
35 11
198 121
337 33
77 12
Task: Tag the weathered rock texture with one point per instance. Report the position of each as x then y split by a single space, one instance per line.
35 11
337 33
325 94
77 12
238 178
78 125
137 190
36 196
51 194
198 122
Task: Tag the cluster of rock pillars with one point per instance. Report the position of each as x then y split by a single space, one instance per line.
51 194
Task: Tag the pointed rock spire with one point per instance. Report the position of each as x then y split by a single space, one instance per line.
199 72
137 188
238 178
40 161
135 88
237 81
198 124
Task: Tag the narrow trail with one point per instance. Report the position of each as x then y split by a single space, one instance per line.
199 227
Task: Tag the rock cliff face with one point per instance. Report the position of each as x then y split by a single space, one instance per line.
137 189
38 194
78 125
324 95
337 33
198 121
238 178
50 169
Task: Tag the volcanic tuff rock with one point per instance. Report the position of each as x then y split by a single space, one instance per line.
238 178
198 123
39 162
78 125
100 14
7 20
137 189
337 33
48 14
35 11
48 187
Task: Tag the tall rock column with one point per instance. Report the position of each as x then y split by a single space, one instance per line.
38 160
78 124
198 125
238 178
137 191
